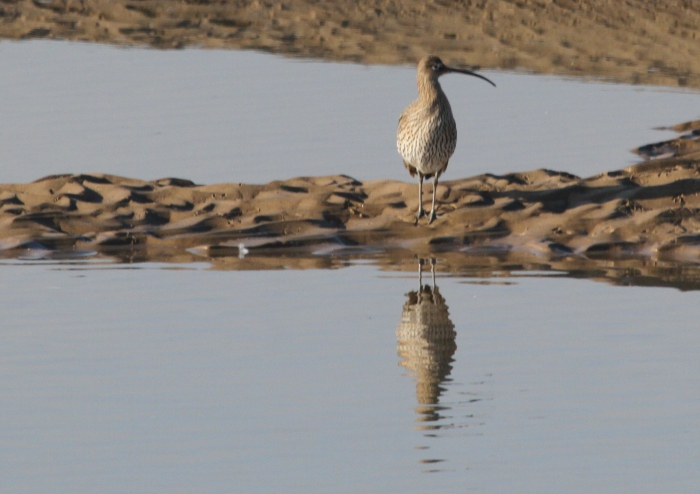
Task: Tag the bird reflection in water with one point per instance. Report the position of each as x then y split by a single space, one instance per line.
426 344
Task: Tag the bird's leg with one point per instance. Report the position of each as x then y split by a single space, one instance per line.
433 215
420 276
420 213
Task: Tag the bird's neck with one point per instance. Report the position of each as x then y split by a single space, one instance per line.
429 88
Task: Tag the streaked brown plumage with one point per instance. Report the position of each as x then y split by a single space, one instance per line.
427 133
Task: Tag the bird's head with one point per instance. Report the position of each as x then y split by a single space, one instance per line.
432 67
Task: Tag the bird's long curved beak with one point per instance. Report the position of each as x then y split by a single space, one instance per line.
469 72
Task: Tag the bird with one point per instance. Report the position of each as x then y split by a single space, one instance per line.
427 133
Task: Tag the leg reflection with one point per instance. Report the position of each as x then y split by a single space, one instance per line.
426 344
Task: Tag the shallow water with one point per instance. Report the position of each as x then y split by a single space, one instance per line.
120 376
150 379
232 116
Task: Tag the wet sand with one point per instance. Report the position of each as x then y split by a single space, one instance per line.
634 41
647 212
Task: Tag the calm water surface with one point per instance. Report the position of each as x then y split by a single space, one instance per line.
158 379
180 378
233 116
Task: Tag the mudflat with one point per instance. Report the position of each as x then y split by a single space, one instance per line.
633 41
648 210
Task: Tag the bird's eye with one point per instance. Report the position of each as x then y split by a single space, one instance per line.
437 66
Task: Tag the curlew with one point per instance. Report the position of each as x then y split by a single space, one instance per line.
427 134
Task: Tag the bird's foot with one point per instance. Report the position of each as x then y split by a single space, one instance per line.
432 216
420 214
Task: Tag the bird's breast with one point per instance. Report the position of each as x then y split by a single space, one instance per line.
427 137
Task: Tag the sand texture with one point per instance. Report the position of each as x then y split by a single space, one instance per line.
633 41
686 145
650 209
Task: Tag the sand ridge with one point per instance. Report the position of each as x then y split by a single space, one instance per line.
649 209
686 145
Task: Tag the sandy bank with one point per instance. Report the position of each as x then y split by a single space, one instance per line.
650 210
633 41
